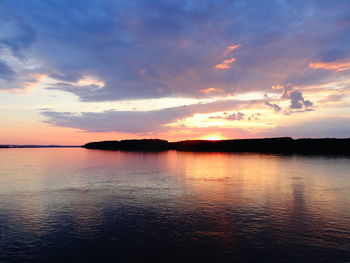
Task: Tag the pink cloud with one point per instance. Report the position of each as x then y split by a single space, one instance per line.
225 64
336 66
230 48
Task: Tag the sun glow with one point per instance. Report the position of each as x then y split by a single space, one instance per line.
212 138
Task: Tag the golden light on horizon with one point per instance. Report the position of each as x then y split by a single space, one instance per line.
213 138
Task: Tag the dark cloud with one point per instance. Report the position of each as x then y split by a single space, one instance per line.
254 116
140 121
297 100
274 106
6 72
234 116
122 121
15 33
334 54
230 117
162 48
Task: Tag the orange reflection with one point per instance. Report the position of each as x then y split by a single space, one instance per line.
286 191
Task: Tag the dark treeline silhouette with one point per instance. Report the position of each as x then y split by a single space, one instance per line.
268 145
131 145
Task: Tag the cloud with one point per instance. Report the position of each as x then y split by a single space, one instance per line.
225 64
334 98
6 73
274 106
15 32
318 128
122 121
141 121
297 101
230 48
114 41
210 90
336 66
235 116
230 117
21 82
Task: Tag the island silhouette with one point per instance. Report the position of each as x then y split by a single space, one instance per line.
287 145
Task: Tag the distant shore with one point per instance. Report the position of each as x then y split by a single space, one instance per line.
287 145
37 146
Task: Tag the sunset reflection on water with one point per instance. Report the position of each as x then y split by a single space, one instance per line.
76 203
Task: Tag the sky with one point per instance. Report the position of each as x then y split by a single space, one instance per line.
90 70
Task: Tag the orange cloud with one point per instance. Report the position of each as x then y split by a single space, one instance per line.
33 80
277 87
86 81
230 48
226 64
209 90
336 66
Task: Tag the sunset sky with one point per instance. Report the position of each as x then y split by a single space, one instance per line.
78 71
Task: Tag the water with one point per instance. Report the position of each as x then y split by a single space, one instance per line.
63 205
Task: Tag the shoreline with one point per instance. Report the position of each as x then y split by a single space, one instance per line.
283 145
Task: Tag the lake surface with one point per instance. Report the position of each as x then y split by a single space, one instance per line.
72 204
